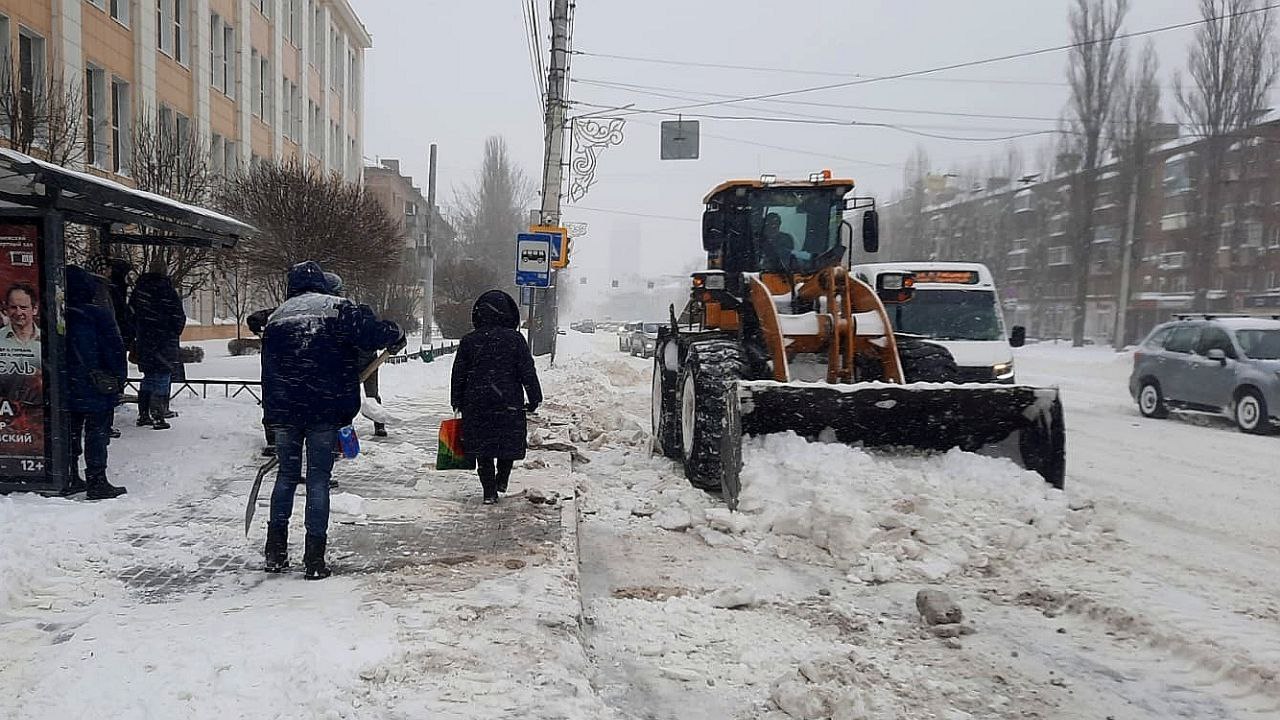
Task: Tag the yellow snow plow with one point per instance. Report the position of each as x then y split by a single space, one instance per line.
778 335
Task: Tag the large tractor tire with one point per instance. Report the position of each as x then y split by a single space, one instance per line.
924 361
711 369
665 405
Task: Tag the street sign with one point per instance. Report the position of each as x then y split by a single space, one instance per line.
679 139
533 260
559 241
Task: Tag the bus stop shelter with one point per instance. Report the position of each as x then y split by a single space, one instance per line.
37 201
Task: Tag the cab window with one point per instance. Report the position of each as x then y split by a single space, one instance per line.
1182 339
1158 337
1215 338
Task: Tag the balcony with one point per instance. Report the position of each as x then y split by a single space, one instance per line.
1017 260
1175 221
1059 255
1172 261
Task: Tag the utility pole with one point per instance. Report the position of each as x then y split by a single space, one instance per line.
543 315
1131 227
427 256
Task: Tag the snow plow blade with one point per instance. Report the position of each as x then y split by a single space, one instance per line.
1016 421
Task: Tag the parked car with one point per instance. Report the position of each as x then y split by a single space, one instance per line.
624 335
644 339
1220 364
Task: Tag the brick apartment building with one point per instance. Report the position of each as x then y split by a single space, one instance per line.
405 202
259 78
1022 231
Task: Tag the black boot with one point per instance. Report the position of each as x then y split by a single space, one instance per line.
488 481
276 551
160 411
379 429
144 408
97 487
313 559
504 475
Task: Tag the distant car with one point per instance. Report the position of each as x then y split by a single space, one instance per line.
625 333
644 339
1220 364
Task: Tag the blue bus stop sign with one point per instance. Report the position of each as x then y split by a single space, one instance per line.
533 260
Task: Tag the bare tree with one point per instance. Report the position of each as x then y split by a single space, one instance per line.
41 112
303 213
1231 68
1095 71
175 163
236 287
489 214
1137 116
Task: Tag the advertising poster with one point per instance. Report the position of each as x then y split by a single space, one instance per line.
22 398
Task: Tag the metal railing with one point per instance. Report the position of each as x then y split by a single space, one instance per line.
254 387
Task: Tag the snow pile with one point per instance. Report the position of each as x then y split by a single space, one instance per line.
890 517
589 395
41 538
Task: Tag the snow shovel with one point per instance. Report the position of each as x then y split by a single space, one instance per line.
269 465
249 509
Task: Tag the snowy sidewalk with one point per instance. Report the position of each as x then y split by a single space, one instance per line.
439 607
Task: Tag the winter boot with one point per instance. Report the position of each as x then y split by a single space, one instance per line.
159 413
97 487
276 552
313 558
144 408
504 475
379 429
488 481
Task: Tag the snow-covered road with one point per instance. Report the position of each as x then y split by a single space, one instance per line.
1146 592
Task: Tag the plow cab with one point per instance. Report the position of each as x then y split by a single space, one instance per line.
778 335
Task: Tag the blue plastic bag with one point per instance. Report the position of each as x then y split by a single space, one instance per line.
349 441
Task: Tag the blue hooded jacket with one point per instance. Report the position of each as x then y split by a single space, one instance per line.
310 347
93 343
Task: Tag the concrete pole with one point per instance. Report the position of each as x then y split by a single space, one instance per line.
1131 229
553 162
427 256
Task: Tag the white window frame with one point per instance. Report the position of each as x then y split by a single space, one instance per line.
95 112
255 84
181 33
215 52
121 126
266 88
286 108
118 10
230 55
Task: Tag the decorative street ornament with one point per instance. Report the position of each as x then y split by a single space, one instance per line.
591 136
576 229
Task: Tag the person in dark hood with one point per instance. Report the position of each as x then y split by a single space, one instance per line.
310 389
494 385
96 370
159 321
119 287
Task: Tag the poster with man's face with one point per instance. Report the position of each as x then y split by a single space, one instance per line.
22 400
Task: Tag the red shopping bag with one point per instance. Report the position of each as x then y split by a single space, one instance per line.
449 455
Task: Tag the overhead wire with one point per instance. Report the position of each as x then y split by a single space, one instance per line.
972 63
535 61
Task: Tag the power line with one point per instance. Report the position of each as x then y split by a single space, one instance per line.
973 63
655 90
920 130
634 214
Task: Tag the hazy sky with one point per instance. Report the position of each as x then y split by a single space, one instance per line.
456 72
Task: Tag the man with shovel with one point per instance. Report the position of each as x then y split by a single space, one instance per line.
310 389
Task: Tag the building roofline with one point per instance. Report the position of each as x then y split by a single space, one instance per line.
360 34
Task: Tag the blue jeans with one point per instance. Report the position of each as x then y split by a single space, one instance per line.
156 383
94 431
319 441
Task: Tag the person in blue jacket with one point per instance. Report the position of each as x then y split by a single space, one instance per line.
310 389
95 358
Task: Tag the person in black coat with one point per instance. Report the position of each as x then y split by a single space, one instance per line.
159 321
119 286
310 389
493 374
95 359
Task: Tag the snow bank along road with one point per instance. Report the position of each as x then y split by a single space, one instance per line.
1148 590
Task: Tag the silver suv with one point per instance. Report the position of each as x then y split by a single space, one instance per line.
1220 364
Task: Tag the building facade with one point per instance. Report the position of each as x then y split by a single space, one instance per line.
1023 231
259 79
